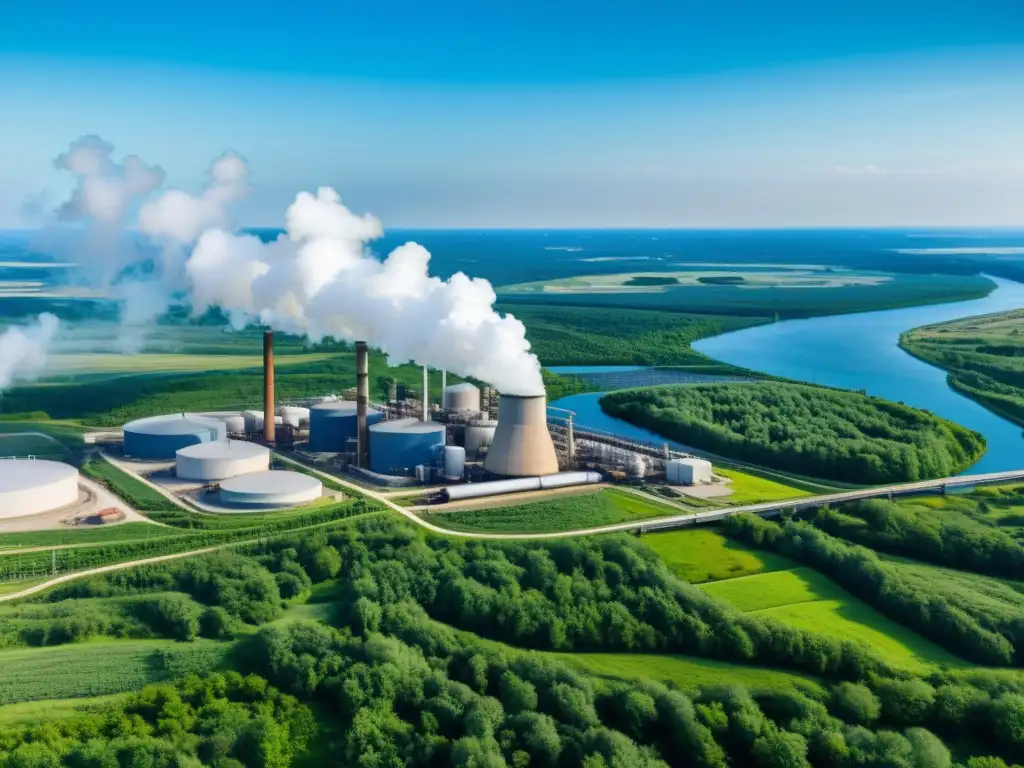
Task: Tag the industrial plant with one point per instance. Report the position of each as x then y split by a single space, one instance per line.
475 442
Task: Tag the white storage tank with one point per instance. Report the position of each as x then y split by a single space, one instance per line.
479 436
234 422
462 397
454 462
221 459
254 421
688 471
293 415
273 488
31 486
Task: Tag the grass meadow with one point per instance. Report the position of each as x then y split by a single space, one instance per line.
703 554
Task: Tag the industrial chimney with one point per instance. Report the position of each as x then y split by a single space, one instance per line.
362 403
426 395
522 445
268 387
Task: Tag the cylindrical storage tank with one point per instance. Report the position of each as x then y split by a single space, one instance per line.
333 423
522 444
454 466
273 488
479 436
254 420
28 487
396 447
160 437
462 397
233 422
221 459
293 415
566 479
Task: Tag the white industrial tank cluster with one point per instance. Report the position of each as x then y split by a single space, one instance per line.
453 462
270 489
31 486
688 471
220 460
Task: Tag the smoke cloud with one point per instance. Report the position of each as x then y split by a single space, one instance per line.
318 279
23 350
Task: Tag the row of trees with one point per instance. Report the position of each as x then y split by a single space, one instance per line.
922 533
808 430
949 622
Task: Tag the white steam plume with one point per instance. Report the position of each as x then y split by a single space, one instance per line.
318 279
23 350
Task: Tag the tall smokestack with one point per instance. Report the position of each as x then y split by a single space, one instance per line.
362 403
444 385
426 396
268 386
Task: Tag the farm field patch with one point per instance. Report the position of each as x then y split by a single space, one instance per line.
703 554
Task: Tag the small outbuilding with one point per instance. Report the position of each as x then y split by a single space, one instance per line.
688 471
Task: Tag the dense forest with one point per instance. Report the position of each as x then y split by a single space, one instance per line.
807 430
983 355
391 683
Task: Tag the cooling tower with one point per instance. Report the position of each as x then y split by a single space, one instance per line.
522 444
362 402
268 385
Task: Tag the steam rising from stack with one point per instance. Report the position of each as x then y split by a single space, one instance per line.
23 350
318 279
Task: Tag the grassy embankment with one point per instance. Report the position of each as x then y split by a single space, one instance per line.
983 356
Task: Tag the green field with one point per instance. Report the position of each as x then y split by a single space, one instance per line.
101 668
751 489
28 444
52 710
688 673
703 554
81 535
568 512
807 600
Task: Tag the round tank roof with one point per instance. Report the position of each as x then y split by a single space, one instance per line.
463 387
173 424
24 475
273 481
223 449
341 406
409 426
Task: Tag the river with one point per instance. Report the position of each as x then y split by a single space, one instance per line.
859 351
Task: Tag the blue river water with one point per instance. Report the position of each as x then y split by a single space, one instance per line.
858 351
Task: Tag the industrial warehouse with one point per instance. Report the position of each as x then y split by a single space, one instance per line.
474 443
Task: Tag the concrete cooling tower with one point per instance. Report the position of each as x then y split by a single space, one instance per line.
522 445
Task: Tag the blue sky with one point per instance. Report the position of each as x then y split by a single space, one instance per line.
543 114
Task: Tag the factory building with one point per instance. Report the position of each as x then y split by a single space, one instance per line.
271 489
397 447
332 424
688 471
160 437
461 397
221 459
522 445
28 487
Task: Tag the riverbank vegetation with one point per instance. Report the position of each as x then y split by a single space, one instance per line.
984 358
844 436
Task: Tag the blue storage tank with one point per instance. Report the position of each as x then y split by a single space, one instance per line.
160 437
333 423
396 447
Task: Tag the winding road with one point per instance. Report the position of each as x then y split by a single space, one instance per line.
641 526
